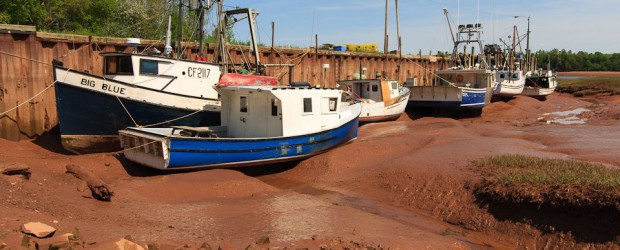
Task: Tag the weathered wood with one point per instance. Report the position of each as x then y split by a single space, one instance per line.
16 28
98 187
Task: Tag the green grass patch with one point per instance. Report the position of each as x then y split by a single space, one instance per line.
590 85
519 170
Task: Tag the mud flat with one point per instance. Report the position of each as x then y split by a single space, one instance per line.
407 184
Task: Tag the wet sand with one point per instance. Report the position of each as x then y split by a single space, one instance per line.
404 184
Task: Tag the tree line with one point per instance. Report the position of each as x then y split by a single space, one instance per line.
563 60
147 19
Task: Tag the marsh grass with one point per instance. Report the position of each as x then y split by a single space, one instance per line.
590 85
519 170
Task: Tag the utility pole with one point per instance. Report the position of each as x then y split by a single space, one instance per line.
385 37
398 30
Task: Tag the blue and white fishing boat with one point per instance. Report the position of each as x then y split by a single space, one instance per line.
138 90
134 90
468 82
260 124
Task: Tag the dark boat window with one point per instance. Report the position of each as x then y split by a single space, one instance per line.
243 104
118 65
274 107
307 105
148 67
375 88
333 102
394 85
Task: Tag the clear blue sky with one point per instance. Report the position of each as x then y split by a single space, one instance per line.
578 25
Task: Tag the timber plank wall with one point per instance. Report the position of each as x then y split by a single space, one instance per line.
26 70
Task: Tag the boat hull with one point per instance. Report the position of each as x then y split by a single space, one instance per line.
186 153
449 97
385 111
506 88
89 120
537 92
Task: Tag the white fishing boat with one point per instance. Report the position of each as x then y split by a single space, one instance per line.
260 124
509 82
540 83
468 82
381 100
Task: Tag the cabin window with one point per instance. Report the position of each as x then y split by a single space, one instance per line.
394 85
307 105
515 76
149 67
274 107
502 76
243 104
375 88
118 65
333 103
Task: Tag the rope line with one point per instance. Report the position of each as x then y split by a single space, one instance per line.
25 58
171 120
127 111
132 148
31 98
27 101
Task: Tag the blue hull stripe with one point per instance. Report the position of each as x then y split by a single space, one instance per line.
471 98
186 153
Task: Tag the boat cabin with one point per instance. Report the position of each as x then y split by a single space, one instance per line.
267 111
467 78
511 76
191 78
375 90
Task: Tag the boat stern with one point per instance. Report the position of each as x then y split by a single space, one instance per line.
148 150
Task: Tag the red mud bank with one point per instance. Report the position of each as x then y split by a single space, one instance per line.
405 184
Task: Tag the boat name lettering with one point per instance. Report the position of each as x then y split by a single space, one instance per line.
113 88
198 72
87 82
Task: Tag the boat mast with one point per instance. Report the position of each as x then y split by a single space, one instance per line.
167 47
201 21
455 52
250 15
180 30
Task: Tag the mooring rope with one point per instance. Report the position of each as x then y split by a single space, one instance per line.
31 98
171 120
27 101
127 111
25 58
431 72
132 148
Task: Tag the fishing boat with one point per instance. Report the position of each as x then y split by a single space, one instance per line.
260 125
540 83
467 83
510 82
381 100
509 75
139 89
134 90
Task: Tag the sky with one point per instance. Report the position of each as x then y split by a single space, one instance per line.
577 25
